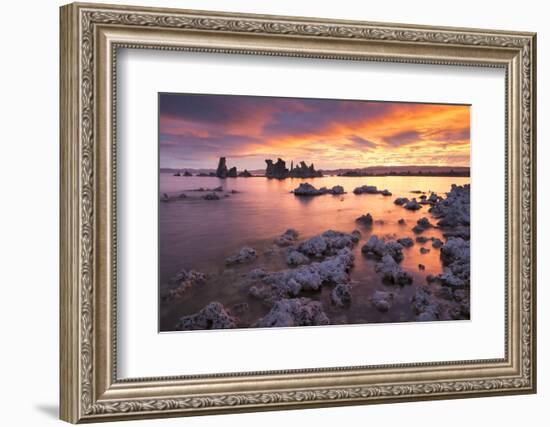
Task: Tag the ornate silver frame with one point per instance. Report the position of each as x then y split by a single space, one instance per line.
90 36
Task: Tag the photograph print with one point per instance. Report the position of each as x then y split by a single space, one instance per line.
282 212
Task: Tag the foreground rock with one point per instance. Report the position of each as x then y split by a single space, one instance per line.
294 312
288 238
245 254
329 243
183 281
212 316
454 210
378 248
391 271
306 189
273 286
382 300
295 258
424 305
341 294
455 254
406 242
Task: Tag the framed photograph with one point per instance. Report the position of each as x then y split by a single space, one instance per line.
265 212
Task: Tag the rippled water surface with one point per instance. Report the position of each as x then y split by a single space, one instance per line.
199 234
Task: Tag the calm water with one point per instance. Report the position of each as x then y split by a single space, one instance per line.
199 234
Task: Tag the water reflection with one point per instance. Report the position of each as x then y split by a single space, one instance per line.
199 234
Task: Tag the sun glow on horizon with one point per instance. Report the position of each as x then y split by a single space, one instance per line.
195 130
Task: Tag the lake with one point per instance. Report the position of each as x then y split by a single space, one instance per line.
200 234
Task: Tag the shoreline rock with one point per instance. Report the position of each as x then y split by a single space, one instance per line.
212 316
246 254
294 312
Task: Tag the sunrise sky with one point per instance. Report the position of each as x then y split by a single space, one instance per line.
195 130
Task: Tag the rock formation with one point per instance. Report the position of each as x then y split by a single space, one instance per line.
279 170
221 171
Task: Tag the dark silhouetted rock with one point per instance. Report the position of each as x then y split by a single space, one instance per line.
436 243
424 251
385 192
366 189
422 225
187 173
245 174
365 220
400 201
401 221
211 196
406 242
412 205
232 173
221 171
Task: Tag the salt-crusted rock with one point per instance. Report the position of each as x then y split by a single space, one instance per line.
294 258
306 189
382 300
341 294
455 254
391 271
245 254
400 201
378 248
289 283
212 316
366 189
328 243
287 238
365 220
424 306
294 312
183 281
412 205
406 242
454 210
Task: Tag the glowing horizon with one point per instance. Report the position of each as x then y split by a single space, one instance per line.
195 130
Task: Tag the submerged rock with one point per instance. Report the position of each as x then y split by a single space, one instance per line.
379 248
341 294
422 225
391 271
288 238
183 281
412 205
245 254
406 242
212 316
294 312
211 196
365 220
436 243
